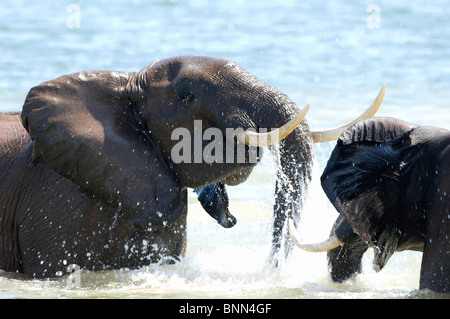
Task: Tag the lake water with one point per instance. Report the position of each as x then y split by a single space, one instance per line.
335 56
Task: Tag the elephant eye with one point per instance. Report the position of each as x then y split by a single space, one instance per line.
187 98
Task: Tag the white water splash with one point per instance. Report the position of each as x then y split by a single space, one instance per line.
232 263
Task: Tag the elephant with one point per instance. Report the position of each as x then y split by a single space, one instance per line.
389 181
96 167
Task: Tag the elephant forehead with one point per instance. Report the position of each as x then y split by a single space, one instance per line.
234 71
202 62
192 67
217 72
232 75
202 68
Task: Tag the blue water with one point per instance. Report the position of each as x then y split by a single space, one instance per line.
316 53
335 56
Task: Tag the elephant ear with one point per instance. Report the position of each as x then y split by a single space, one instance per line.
366 172
81 127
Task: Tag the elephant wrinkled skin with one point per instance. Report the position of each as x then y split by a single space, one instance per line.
91 179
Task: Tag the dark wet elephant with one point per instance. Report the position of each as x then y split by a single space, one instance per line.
99 177
390 182
94 180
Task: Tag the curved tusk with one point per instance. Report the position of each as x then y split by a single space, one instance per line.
334 133
326 245
255 139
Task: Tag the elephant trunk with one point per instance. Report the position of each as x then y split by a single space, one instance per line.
294 157
265 107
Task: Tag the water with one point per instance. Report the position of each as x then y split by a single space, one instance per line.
335 57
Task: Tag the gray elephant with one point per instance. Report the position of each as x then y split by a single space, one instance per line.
389 180
97 175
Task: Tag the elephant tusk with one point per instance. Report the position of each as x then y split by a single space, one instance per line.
255 139
334 133
326 245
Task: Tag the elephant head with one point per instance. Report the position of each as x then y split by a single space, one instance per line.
111 133
388 179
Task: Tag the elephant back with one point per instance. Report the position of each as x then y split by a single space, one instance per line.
376 129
